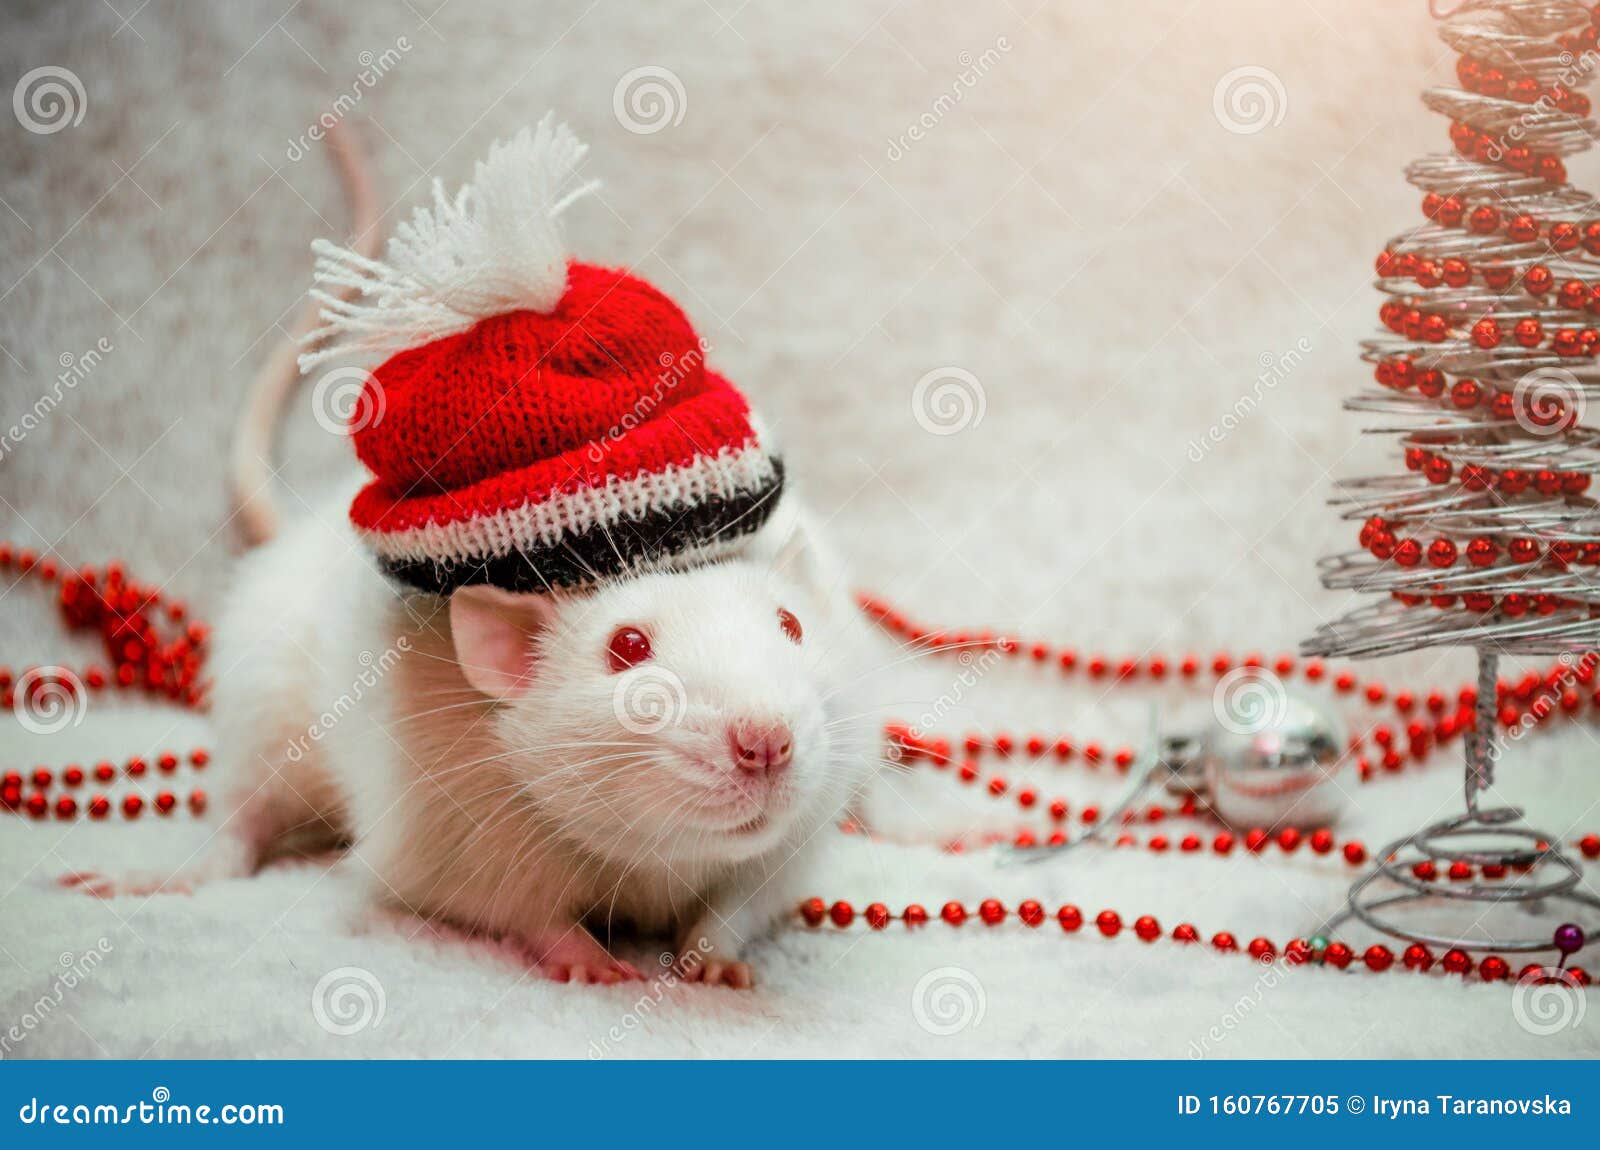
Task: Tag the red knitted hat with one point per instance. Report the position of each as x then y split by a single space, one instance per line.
545 423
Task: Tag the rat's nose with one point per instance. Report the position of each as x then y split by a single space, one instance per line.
762 747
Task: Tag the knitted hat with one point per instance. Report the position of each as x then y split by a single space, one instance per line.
541 422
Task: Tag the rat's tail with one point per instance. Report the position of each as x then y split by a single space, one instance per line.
249 468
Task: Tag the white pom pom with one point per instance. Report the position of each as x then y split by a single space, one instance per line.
495 247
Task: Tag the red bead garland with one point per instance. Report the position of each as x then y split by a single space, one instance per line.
149 641
152 645
1535 695
37 803
1377 958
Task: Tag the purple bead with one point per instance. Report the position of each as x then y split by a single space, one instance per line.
1568 938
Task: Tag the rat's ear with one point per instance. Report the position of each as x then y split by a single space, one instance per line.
803 558
493 632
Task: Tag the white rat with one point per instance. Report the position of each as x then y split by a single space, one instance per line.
493 761
646 749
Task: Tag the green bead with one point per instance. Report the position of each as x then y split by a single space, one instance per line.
1318 944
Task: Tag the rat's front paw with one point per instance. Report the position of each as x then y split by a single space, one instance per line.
607 973
574 956
708 954
696 967
132 885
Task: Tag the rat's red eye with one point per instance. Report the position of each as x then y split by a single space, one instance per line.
628 648
790 625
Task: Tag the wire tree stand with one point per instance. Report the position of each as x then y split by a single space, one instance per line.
1538 874
1492 542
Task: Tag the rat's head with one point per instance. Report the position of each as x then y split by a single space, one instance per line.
680 714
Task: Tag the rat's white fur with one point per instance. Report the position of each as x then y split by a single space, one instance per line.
343 711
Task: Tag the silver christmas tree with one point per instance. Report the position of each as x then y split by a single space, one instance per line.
1490 536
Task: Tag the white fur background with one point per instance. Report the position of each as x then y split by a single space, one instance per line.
1080 232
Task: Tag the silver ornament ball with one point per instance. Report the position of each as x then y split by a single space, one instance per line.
1277 767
